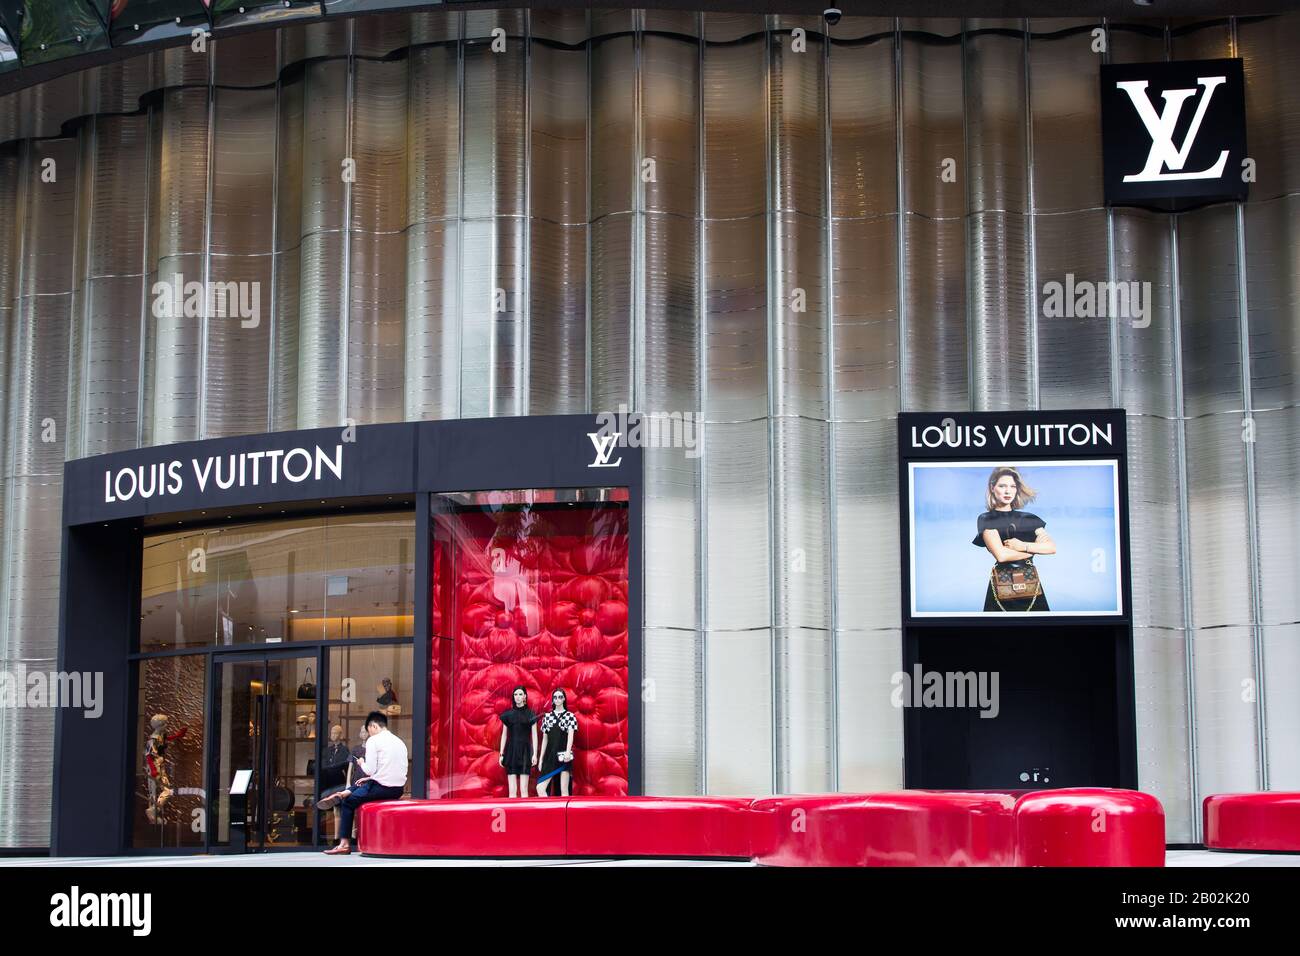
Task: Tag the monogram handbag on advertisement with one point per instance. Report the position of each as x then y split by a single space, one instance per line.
1016 582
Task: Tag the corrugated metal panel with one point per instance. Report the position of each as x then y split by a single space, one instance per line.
671 290
672 701
377 284
36 433
558 231
739 712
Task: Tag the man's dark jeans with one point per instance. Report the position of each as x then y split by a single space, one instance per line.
368 792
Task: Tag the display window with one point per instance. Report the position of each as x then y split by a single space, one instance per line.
168 802
529 590
283 714
363 678
305 579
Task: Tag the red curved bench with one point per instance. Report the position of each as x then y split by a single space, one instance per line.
1089 827
908 828
1268 821
660 826
531 826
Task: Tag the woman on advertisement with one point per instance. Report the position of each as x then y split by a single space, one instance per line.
1014 537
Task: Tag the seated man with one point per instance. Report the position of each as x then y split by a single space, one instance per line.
384 775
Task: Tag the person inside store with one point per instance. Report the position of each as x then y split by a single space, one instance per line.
556 760
356 754
334 762
518 749
351 766
383 777
1013 536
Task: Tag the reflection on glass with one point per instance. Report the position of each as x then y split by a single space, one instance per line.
238 747
8 53
51 29
133 21
168 808
369 576
266 726
530 587
362 679
273 581
227 12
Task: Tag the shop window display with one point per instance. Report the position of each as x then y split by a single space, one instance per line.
362 679
169 799
530 588
304 579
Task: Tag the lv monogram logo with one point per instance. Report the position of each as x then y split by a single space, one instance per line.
604 445
1163 154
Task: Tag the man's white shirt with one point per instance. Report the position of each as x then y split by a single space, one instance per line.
385 759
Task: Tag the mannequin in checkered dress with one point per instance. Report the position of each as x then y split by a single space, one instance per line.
559 727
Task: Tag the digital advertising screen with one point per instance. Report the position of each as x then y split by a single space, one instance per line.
1014 517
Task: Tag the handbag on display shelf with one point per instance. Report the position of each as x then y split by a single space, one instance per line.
281 797
307 689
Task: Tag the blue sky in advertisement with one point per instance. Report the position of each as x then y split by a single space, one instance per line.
1077 500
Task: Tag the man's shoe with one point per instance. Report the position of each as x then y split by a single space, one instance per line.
327 803
339 850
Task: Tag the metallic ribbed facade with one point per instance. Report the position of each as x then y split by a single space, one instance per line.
505 248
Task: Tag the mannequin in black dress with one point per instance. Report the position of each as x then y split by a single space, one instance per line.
1012 536
558 729
518 742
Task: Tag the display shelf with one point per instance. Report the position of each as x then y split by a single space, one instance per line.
363 716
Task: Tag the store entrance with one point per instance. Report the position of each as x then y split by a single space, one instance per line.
266 727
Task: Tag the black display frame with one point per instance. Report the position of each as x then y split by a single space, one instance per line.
906 457
383 467
1117 741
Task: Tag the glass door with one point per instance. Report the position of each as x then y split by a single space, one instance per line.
265 714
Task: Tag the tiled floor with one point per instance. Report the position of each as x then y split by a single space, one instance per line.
1182 858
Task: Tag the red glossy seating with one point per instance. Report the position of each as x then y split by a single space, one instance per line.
1089 827
779 826
1269 820
660 826
532 826
911 828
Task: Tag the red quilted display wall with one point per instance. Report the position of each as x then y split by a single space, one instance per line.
533 595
